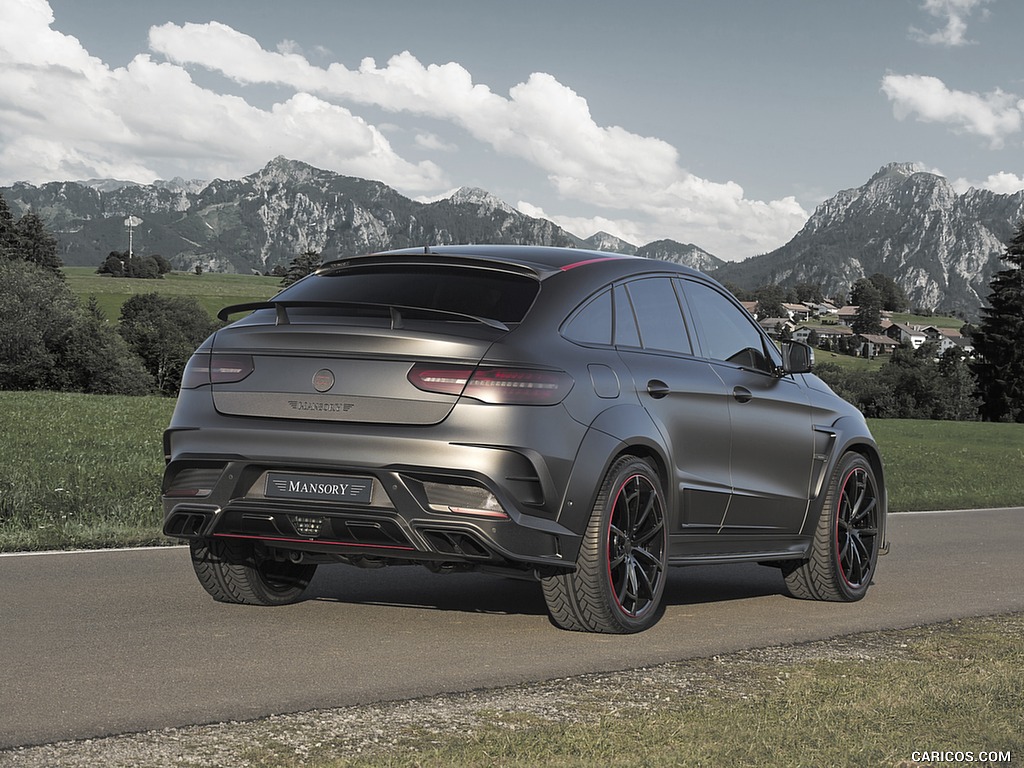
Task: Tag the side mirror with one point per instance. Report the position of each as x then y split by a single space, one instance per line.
797 357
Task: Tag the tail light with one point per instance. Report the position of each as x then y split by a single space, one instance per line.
515 386
206 368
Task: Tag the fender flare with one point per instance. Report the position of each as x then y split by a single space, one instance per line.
850 436
619 430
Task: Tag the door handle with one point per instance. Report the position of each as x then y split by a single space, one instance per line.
742 394
657 389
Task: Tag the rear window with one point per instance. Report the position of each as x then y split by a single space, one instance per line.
468 291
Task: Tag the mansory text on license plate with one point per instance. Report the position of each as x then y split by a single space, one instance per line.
319 487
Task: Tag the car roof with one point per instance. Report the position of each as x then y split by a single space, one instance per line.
543 261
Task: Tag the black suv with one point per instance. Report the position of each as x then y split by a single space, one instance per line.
583 418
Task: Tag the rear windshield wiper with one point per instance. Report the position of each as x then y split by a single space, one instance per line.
395 310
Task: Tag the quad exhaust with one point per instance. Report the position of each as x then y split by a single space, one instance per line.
189 522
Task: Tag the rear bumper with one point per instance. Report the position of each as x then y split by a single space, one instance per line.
400 523
215 485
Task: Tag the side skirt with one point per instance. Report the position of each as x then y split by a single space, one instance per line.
704 550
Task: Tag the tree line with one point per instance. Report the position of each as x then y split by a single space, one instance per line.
50 340
125 264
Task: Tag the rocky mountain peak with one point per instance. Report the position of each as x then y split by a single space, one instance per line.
602 241
904 222
482 198
281 170
687 254
896 172
178 184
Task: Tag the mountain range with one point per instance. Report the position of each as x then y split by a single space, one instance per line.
940 246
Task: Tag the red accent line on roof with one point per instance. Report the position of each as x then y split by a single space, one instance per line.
567 267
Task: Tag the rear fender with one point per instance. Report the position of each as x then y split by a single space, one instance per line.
617 431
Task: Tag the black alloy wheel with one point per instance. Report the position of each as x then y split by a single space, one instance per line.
621 570
857 528
846 542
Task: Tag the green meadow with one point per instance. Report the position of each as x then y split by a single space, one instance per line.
213 290
84 470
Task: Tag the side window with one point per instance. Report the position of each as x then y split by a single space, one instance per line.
727 333
659 315
593 323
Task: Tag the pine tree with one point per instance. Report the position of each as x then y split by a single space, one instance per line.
35 244
868 299
302 265
894 298
999 340
8 238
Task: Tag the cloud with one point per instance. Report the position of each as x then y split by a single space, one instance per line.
67 115
585 226
954 13
433 142
994 116
1002 183
541 121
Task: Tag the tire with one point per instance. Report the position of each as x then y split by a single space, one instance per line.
621 569
237 572
846 541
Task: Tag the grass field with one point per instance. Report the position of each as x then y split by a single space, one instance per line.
850 362
939 321
80 470
84 470
213 290
951 464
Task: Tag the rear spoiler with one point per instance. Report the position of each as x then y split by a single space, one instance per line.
395 311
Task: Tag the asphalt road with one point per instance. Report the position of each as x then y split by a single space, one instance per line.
99 643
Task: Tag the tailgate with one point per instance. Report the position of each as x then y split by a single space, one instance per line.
339 373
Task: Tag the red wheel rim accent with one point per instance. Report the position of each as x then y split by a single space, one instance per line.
856 528
636 546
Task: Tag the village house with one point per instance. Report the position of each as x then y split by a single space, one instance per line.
872 345
798 313
848 314
776 326
905 334
828 335
824 309
949 338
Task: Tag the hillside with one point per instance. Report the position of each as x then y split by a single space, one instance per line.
266 219
941 247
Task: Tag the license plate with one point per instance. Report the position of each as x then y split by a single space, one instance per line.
319 487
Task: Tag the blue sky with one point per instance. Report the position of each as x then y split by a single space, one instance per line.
721 123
